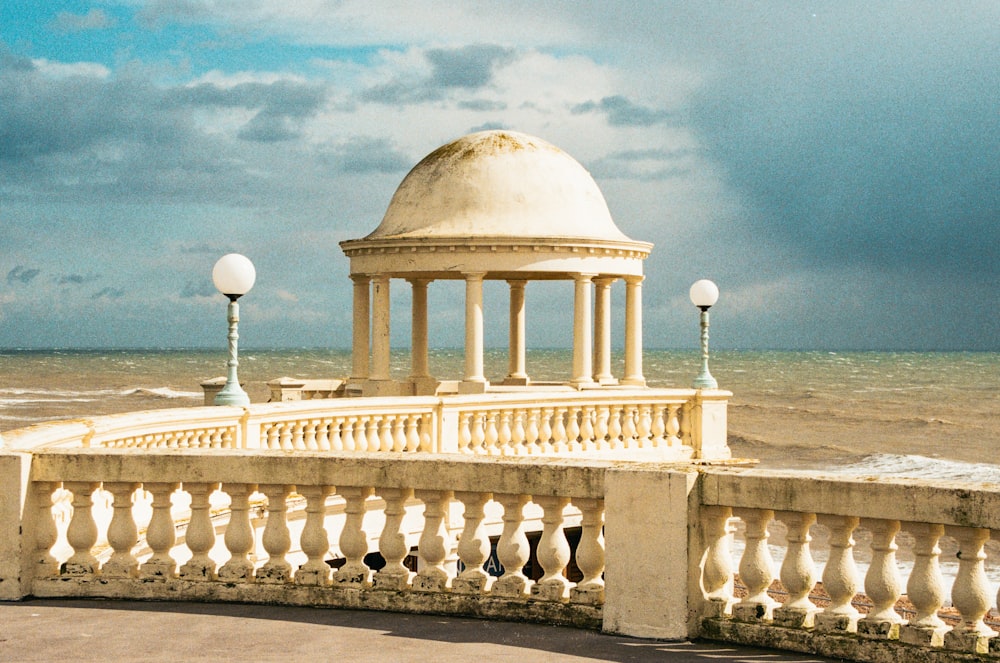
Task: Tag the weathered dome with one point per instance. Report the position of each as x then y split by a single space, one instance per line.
498 184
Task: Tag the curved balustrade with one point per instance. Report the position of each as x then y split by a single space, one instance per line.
655 424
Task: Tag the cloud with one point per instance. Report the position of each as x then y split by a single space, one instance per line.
108 293
77 279
198 289
22 274
95 19
458 69
621 112
364 154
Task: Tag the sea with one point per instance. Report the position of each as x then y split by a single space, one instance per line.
929 415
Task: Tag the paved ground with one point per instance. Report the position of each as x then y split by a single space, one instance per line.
82 631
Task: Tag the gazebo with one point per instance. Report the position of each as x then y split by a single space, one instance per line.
495 205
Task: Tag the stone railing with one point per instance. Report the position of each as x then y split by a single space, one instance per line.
640 548
828 622
654 424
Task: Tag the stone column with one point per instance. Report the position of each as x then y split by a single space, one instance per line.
419 367
582 331
516 366
602 331
474 380
360 330
633 331
380 328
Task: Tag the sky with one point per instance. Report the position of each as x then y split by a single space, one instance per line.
833 166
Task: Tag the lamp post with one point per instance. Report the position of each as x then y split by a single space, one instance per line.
704 294
233 275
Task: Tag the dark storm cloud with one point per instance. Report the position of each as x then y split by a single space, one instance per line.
621 112
866 147
22 274
366 155
644 165
467 68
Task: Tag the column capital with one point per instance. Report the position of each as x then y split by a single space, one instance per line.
361 278
634 279
419 281
603 280
585 277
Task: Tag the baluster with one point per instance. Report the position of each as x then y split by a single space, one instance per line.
756 567
971 592
385 438
925 587
122 533
478 433
228 438
217 439
81 533
513 549
630 434
531 435
309 435
573 429
492 434
353 540
276 539
392 542
882 583
464 432
239 533
602 431
587 429
545 431
473 546
840 577
426 427
553 550
314 541
412 434
298 434
46 533
435 543
160 534
348 434
285 436
590 552
399 433
518 436
615 414
374 444
645 429
200 535
269 433
673 425
559 433
505 435
717 573
798 573
323 434
658 428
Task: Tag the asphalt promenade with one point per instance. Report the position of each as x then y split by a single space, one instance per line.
82 631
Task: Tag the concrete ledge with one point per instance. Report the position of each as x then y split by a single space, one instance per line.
446 603
845 646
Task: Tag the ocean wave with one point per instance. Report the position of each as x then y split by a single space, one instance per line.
161 392
916 467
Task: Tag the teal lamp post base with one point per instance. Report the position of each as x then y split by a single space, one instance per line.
232 394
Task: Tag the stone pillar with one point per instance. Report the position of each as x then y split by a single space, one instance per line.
419 367
602 331
474 380
633 331
360 330
380 328
517 374
583 348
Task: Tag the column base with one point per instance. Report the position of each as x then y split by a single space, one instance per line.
516 381
473 386
926 636
633 382
833 623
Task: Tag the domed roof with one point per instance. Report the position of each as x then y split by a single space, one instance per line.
498 184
